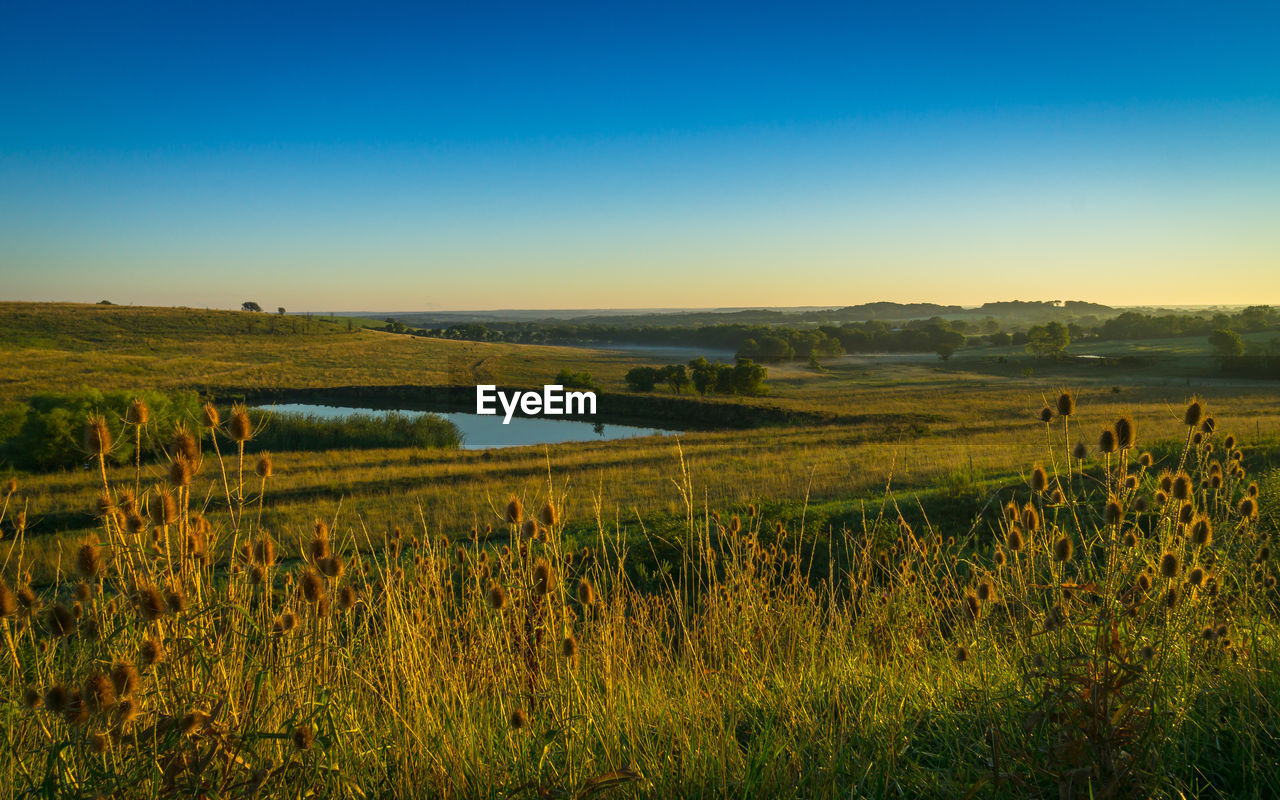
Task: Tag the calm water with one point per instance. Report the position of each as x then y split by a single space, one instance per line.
480 433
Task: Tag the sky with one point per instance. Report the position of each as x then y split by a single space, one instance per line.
338 157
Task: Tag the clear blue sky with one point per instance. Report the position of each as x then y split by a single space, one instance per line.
477 155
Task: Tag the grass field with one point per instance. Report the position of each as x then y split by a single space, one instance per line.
775 611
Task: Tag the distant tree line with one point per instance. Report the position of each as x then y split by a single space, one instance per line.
778 342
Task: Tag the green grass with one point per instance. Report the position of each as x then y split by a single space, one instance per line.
717 654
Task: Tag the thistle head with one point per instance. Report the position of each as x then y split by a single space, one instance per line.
1066 404
137 413
240 427
97 436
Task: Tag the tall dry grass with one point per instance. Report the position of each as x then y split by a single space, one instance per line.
1111 633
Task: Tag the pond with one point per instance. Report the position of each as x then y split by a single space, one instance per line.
485 432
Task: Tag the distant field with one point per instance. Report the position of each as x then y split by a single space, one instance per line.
975 417
58 347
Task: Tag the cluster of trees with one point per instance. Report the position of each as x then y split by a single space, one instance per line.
1049 340
744 377
1136 325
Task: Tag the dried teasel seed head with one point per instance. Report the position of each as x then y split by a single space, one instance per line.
1201 530
1030 518
542 577
137 413
303 736
1181 486
1039 479
184 444
1066 404
1249 508
56 698
240 427
163 508
151 653
88 561
209 416
515 511
1113 512
175 600
1046 414
1014 540
264 551
1193 413
264 468
1125 433
180 471
1169 567
1107 441
149 603
124 677
346 598
1063 548
8 600
331 567
1196 576
1080 452
548 515
99 693
586 592
518 720
311 586
60 620
97 436
1186 513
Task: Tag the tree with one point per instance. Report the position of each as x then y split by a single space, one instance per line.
280 311
642 379
1227 343
945 350
576 380
249 305
676 376
747 378
1048 340
703 374
1256 318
